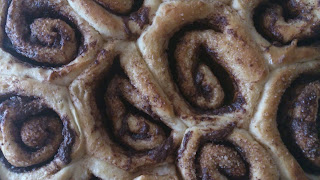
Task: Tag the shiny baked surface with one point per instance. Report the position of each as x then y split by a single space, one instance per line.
159 89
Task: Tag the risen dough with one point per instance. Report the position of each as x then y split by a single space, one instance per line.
159 89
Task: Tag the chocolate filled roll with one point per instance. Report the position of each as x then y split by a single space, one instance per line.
39 136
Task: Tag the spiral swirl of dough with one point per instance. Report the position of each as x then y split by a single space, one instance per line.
30 138
223 154
45 40
207 56
42 39
134 129
286 31
38 136
138 128
298 122
288 20
132 123
196 80
289 128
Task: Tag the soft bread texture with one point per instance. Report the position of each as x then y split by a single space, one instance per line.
159 89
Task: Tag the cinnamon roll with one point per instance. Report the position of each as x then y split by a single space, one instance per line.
117 19
226 153
204 61
290 127
39 136
286 30
127 119
45 40
285 21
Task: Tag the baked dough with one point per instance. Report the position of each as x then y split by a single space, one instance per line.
127 119
219 44
159 89
264 125
211 153
265 23
24 53
39 135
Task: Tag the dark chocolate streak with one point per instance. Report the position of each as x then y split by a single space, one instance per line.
233 100
185 141
64 151
158 153
288 126
42 12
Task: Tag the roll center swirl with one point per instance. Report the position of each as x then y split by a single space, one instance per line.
38 131
41 39
127 109
31 136
200 74
216 158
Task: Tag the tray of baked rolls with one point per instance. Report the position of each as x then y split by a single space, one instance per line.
159 89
